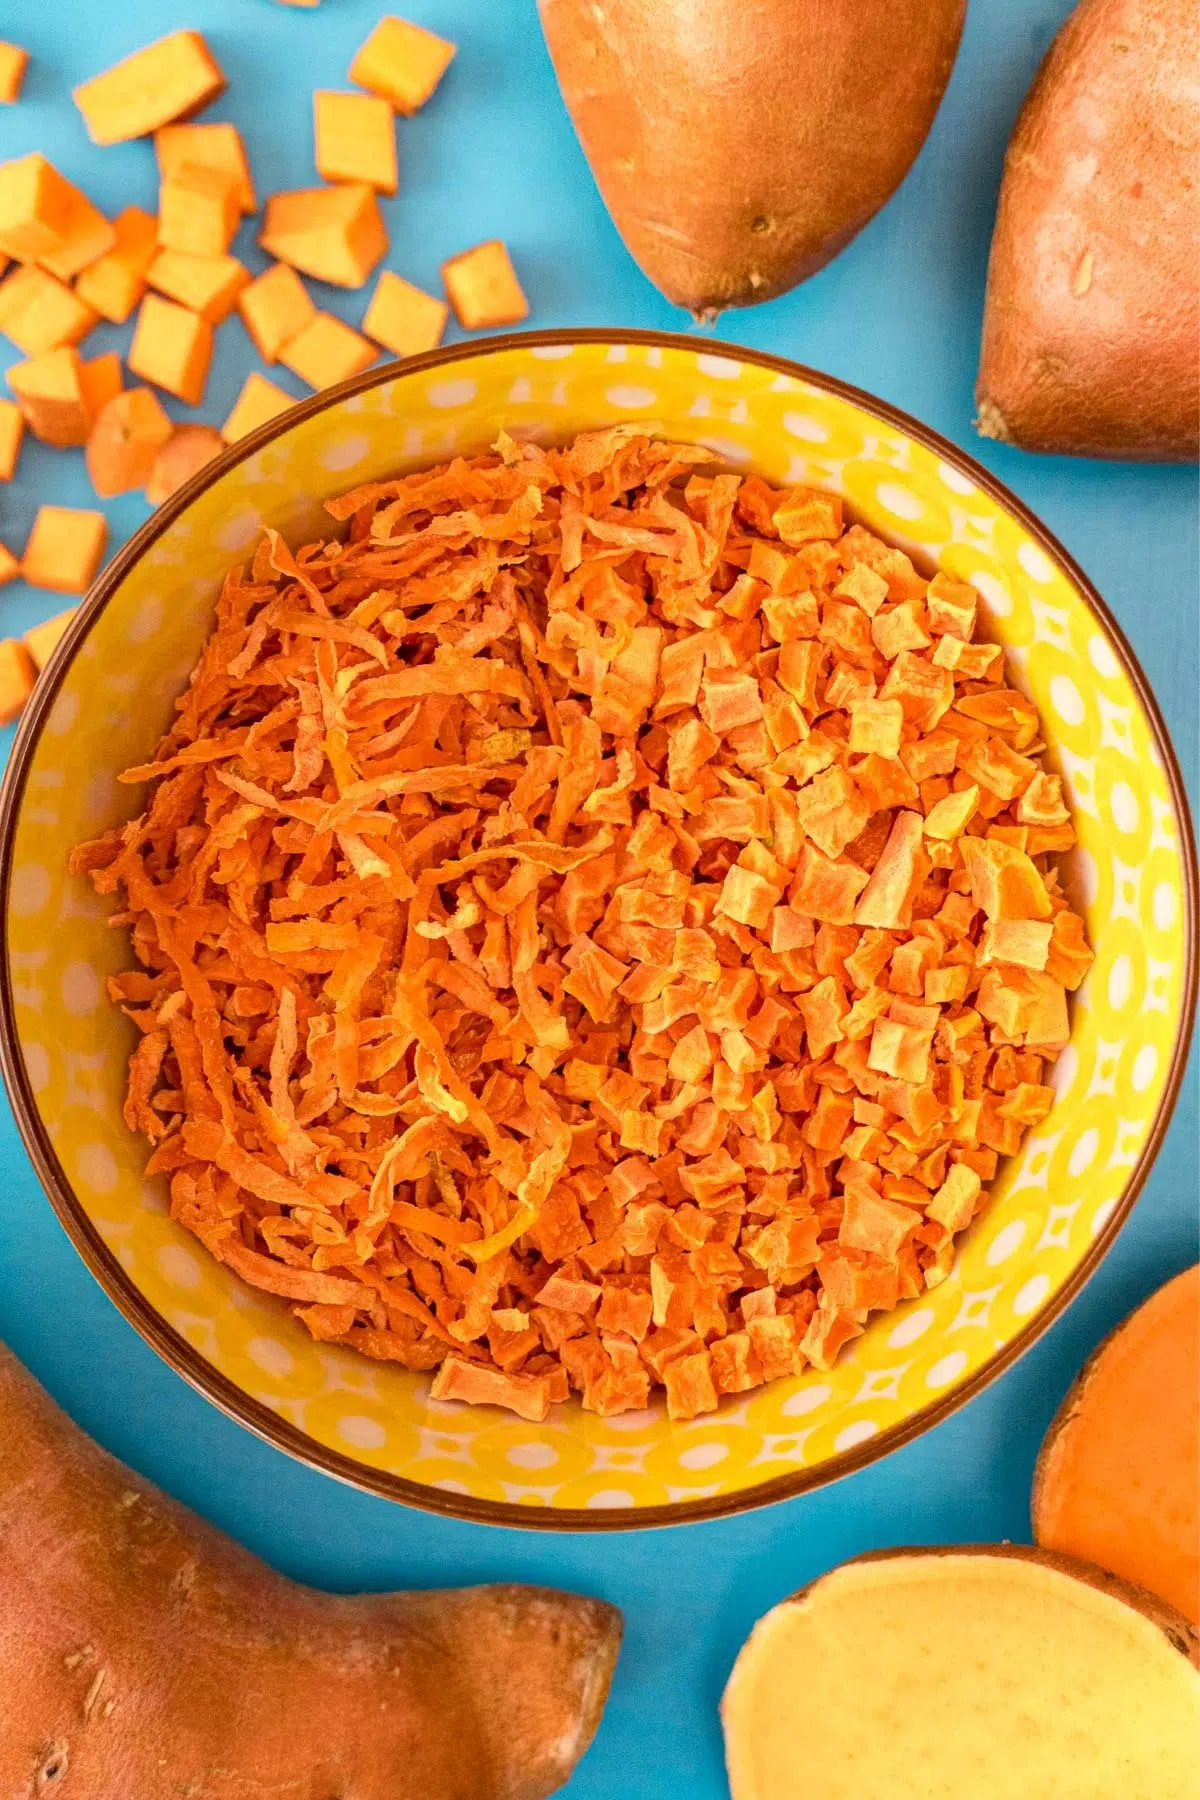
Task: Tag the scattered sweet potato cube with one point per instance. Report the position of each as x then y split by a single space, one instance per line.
403 318
166 80
99 381
186 452
13 61
12 430
64 548
327 351
198 209
38 313
216 146
45 218
1022 941
1005 882
172 347
258 401
483 287
17 676
354 138
402 62
128 434
208 285
113 285
336 234
50 393
275 308
10 565
40 640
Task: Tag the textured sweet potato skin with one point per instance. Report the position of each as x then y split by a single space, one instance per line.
143 1654
1091 331
740 147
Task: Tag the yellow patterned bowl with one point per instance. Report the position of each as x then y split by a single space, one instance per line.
108 693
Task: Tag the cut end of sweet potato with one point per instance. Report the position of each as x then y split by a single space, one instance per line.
1118 1477
901 1672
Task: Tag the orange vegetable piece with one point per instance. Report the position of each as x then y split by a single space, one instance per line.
166 80
185 453
258 401
37 313
483 288
327 351
17 676
275 308
888 897
124 441
1023 941
13 63
44 218
689 1384
403 318
40 640
402 62
208 285
876 725
354 138
10 565
805 514
12 430
951 815
198 209
113 285
1070 956
172 348
58 397
216 146
99 380
1005 882
336 234
1118 1477
64 549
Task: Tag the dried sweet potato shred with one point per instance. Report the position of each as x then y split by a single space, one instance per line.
598 927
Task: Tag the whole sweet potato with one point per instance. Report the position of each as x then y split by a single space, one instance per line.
144 1656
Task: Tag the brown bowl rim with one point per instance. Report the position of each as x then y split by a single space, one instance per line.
180 1355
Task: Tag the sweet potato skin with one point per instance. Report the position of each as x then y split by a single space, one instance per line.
739 148
143 1653
1091 331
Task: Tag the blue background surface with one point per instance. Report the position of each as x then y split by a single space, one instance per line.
494 155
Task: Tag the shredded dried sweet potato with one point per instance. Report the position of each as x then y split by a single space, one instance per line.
598 927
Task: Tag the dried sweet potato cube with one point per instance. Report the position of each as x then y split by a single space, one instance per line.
1022 941
925 692
354 138
735 1363
832 810
951 815
876 725
869 1222
526 1395
952 606
403 318
327 350
17 676
689 1384
163 81
38 313
258 401
774 1341
172 348
900 1050
747 897
902 627
1041 802
827 889
208 285
403 62
806 513
887 900
336 234
12 430
216 146
483 288
13 62
275 308
199 207
64 548
113 285
865 586
1069 958
1005 883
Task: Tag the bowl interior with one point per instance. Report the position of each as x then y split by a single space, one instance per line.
374 1422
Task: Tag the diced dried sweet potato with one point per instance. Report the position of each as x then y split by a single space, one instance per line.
1005 883
208 285
124 441
483 288
403 318
326 351
165 80
13 63
17 676
215 146
64 549
40 640
336 234
114 284
38 313
402 62
185 453
354 138
199 207
258 401
172 348
12 430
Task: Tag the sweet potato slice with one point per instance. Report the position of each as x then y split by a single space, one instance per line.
1118 1477
988 1670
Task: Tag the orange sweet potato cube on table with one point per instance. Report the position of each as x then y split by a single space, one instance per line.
128 434
40 640
212 146
64 548
327 351
336 234
172 347
483 287
258 401
99 380
354 137
12 430
208 285
403 318
165 80
38 313
275 308
44 218
17 676
13 61
113 285
60 395
402 62
198 209
187 450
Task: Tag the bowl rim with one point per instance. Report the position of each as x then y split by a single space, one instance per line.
233 1400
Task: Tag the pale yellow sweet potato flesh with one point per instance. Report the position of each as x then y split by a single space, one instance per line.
144 1656
977 1675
